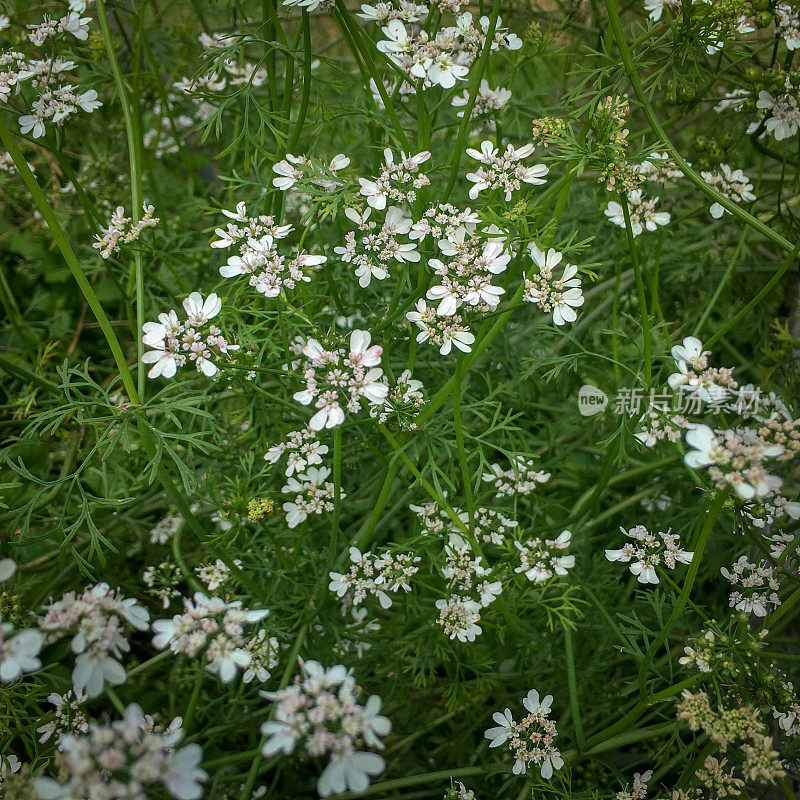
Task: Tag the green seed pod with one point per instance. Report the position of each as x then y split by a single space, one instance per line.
752 74
763 19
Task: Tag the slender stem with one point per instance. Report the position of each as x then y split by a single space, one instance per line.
644 315
352 32
188 717
677 610
177 554
136 186
415 780
612 7
478 72
466 478
67 252
306 93
577 721
721 285
783 609
780 272
114 698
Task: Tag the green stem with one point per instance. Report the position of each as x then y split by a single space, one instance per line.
63 244
612 7
644 315
466 478
188 717
352 35
306 93
781 271
577 721
700 547
136 187
476 77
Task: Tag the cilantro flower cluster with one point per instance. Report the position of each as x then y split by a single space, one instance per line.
268 271
541 559
175 343
532 739
96 621
378 576
321 712
648 551
123 759
341 377
216 627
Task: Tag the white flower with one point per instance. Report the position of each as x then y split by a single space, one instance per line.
703 441
18 652
499 735
7 569
349 771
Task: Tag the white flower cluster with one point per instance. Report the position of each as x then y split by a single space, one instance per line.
378 576
377 246
56 98
521 479
788 717
341 377
313 494
215 575
648 551
69 717
459 617
466 278
18 652
659 168
308 171
214 626
695 377
656 426
441 221
642 212
403 402
488 525
398 182
469 588
734 184
638 791
258 256
320 710
557 296
448 56
443 332
503 171
787 24
303 449
532 739
96 621
122 230
756 589
735 458
780 114
541 559
163 580
124 758
487 101
163 531
174 342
